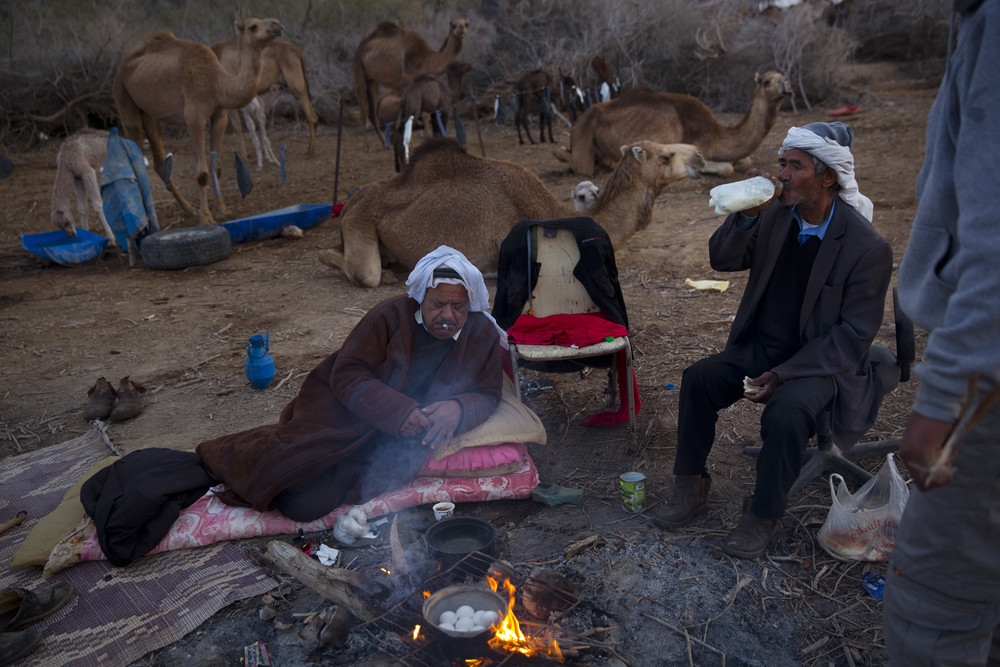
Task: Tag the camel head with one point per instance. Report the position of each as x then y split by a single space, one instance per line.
584 195
459 28
665 163
772 85
259 32
63 219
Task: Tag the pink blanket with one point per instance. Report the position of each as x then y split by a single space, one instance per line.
209 520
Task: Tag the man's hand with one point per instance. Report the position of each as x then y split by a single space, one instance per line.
767 382
444 417
415 424
757 210
922 441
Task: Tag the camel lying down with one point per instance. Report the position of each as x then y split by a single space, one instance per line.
446 196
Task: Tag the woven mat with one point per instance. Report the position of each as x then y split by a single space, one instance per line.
118 614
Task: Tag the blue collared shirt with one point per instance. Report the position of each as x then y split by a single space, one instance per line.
806 230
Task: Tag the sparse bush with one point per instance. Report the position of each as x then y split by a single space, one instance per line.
58 58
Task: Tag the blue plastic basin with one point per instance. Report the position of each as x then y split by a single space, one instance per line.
59 248
269 225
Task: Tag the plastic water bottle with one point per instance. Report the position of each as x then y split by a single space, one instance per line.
741 195
259 364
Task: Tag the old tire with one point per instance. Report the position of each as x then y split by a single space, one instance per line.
184 247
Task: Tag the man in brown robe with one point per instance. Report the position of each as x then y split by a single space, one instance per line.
415 371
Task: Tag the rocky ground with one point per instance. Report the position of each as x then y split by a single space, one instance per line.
668 598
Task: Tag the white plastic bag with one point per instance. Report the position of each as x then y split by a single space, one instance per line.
863 526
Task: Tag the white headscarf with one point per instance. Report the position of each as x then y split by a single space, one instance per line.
837 157
422 278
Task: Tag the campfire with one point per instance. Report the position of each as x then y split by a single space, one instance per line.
508 636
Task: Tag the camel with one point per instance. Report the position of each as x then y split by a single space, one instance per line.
388 109
641 113
425 97
255 117
79 160
392 57
181 82
534 93
584 195
281 63
447 196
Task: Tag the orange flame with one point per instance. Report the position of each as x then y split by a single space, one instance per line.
416 632
427 594
508 635
385 570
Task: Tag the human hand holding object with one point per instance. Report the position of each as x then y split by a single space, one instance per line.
757 210
922 442
764 385
414 424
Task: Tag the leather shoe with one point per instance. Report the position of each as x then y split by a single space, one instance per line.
130 400
33 605
101 399
750 538
689 497
16 645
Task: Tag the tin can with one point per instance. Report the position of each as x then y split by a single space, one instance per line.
633 491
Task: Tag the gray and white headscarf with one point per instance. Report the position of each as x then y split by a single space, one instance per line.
831 143
422 278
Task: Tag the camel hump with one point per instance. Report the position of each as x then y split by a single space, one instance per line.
159 38
437 146
386 29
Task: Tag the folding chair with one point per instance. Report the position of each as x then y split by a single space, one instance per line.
550 260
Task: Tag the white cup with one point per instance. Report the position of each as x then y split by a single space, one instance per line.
443 510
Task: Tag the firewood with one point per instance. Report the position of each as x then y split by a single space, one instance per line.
333 586
574 548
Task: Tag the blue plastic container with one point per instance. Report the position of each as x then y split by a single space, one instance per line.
269 225
60 248
259 364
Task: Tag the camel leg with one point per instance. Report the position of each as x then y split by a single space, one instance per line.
197 132
723 169
238 129
425 118
360 260
154 131
81 205
94 194
218 124
252 130
295 79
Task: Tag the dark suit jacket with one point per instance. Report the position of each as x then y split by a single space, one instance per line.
841 311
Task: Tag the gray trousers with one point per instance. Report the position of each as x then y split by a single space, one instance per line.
942 595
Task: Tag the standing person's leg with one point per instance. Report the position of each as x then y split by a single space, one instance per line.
707 386
942 595
787 423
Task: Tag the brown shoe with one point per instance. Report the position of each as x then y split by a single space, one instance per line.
689 497
750 538
100 401
30 606
130 400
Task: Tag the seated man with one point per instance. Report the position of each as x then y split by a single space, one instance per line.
415 371
811 308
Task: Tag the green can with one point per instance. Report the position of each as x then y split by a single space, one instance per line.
633 491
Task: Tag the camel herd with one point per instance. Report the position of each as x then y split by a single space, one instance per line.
647 138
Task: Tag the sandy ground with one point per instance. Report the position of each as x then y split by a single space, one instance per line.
183 334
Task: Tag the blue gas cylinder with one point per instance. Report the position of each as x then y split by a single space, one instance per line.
259 364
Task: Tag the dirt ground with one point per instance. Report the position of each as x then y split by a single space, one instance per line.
183 335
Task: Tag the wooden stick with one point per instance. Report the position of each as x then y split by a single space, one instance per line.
21 516
333 587
694 639
475 117
336 167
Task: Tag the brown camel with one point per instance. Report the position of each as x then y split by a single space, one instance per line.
425 97
281 63
392 57
534 93
446 196
180 82
641 113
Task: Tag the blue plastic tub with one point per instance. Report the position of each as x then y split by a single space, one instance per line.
269 225
59 248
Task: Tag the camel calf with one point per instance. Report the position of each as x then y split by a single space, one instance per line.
534 89
78 162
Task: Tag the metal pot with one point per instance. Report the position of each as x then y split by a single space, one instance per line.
462 645
450 540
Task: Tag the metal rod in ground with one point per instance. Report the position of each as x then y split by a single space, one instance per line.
475 117
336 167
